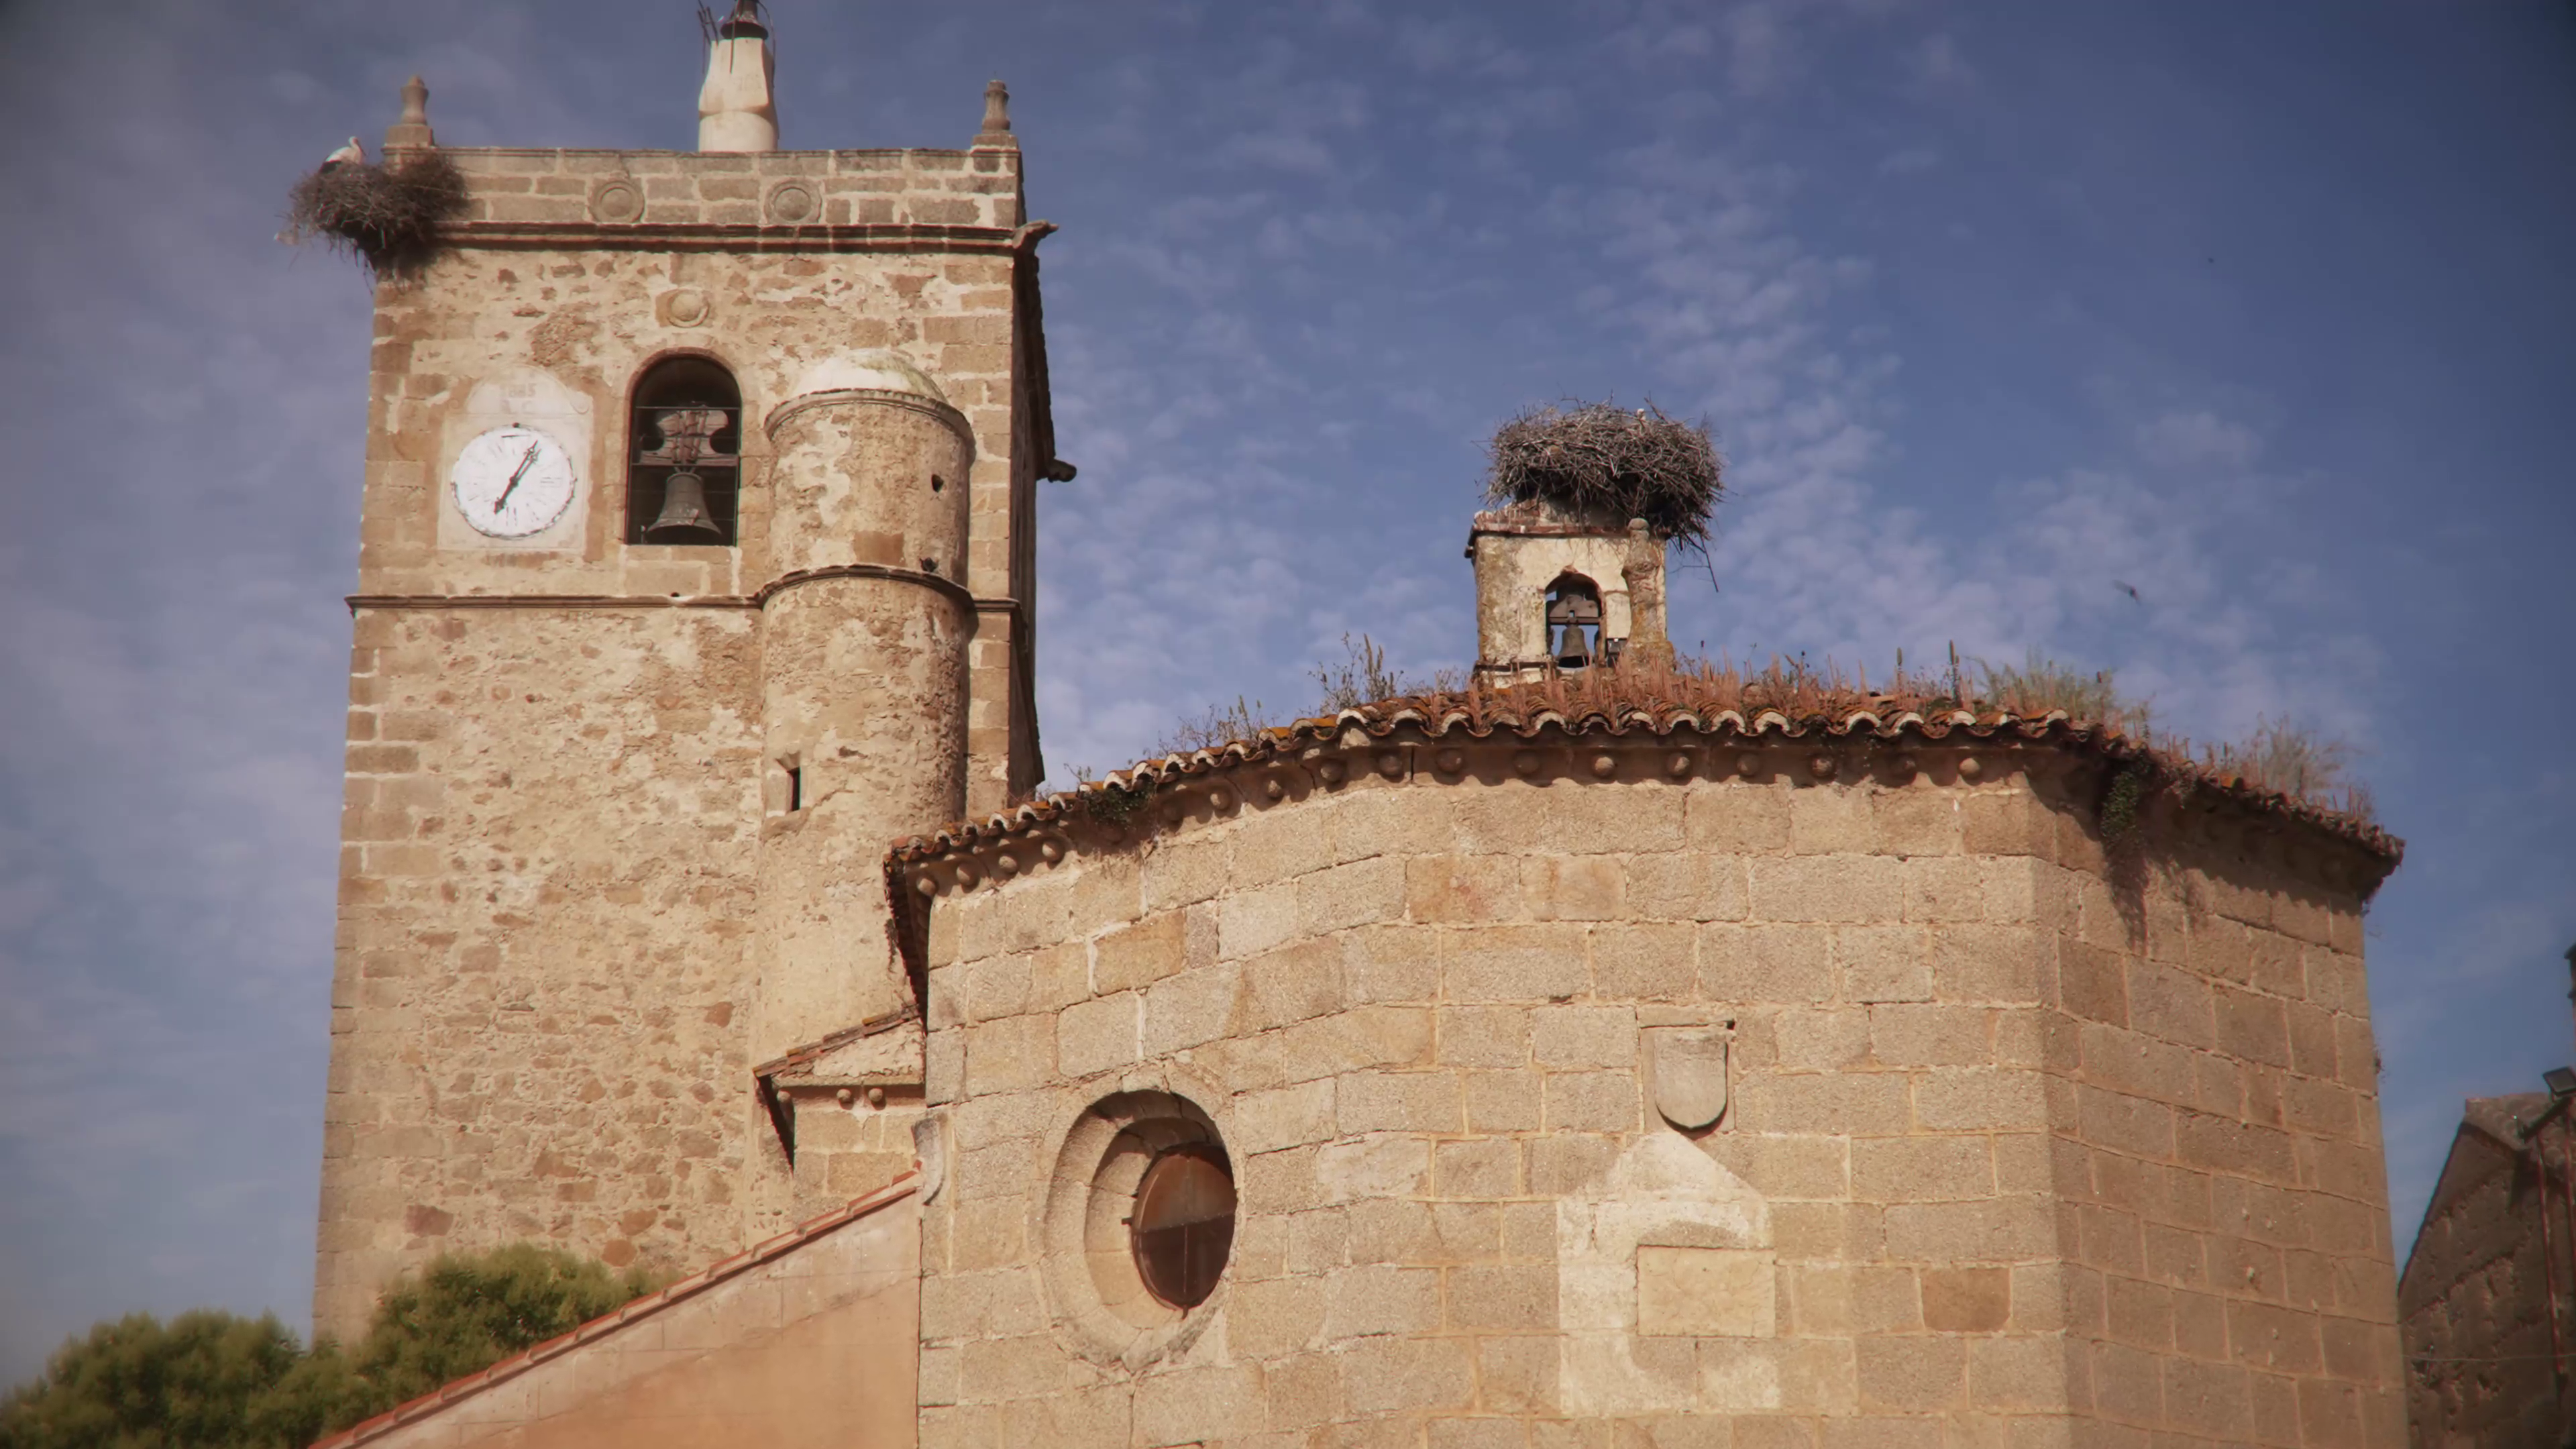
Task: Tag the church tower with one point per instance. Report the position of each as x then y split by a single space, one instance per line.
696 566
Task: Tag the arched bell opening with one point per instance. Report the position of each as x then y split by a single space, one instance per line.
1573 621
684 465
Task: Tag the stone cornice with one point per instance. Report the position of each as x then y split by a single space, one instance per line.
549 601
726 237
955 592
880 396
1396 744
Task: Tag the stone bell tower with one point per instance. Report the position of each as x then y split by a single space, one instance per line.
1564 590
695 567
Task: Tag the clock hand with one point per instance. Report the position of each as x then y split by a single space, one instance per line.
525 463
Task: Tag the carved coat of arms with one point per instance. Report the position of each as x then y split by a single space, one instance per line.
1688 1068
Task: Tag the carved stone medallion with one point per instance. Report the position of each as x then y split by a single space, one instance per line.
1688 1066
616 201
791 204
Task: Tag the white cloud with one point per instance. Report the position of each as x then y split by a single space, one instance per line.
2198 439
1939 67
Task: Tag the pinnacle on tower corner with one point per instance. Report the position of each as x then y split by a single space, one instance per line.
738 104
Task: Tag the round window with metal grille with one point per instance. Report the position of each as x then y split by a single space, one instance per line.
1183 1225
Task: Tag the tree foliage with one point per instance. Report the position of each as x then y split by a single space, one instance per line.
214 1380
465 1313
204 1378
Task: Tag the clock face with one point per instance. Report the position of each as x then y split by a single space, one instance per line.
512 482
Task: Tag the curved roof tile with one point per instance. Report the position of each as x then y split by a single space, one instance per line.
1527 710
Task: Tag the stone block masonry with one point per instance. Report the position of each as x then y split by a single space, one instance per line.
2023 1143
581 891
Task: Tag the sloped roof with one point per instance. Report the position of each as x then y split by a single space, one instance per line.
608 1323
1657 704
2489 1137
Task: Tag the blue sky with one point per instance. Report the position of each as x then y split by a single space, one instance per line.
2263 310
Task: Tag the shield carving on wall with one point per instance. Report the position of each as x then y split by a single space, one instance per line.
1689 1067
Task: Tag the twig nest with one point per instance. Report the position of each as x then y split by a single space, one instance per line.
387 216
1603 460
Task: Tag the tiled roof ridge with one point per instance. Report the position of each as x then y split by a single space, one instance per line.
609 1322
2503 1116
1498 713
799 1056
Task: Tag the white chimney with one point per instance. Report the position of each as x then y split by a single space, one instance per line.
737 108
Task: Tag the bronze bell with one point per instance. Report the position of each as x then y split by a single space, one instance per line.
684 511
1572 617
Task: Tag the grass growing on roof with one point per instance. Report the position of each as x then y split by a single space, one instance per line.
2279 758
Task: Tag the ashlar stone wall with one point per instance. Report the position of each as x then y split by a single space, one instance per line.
2477 1293
561 782
2022 1146
544 961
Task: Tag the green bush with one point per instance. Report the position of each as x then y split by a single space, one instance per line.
204 1378
215 1380
465 1313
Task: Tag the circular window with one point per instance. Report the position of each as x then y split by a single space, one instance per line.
1183 1225
1138 1226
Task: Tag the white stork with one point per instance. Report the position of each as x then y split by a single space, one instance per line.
352 154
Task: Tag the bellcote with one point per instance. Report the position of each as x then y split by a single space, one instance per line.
1564 590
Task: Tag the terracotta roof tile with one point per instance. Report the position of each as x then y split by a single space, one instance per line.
1525 711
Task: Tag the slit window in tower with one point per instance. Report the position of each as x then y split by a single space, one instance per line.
684 473
1183 1227
1573 621
795 789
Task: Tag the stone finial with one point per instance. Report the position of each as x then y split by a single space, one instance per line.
2571 973
738 105
1643 571
996 130
412 131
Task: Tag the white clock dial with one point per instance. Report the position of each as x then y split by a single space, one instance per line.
512 482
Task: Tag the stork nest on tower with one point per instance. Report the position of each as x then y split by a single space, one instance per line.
387 216
1598 458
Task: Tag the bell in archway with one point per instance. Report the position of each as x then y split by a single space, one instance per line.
684 517
1574 616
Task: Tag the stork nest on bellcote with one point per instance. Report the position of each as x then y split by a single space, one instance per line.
387 216
1602 459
